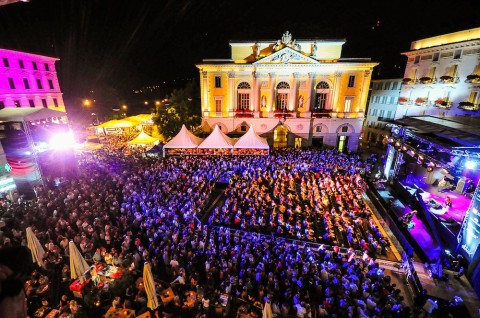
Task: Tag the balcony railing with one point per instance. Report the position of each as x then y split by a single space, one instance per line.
321 113
468 106
473 78
243 113
285 113
447 79
421 101
426 80
442 104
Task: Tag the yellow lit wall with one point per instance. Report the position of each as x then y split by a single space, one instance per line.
460 36
328 52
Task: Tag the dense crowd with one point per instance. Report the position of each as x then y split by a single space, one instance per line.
127 210
316 197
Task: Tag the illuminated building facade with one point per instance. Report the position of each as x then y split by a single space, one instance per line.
294 92
442 76
382 106
29 80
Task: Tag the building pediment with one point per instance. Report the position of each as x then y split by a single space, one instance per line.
286 56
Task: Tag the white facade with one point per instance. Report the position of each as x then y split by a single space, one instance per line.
442 76
382 107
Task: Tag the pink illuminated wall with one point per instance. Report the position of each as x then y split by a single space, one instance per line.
29 80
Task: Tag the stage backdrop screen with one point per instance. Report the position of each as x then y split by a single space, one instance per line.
469 237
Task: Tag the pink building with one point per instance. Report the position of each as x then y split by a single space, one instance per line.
29 80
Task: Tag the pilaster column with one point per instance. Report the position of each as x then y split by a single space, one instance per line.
293 101
205 91
364 95
308 104
231 92
255 92
336 89
271 79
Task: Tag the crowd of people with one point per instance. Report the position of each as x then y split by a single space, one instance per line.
127 210
318 196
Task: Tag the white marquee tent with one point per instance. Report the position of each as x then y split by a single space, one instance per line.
216 143
251 143
183 140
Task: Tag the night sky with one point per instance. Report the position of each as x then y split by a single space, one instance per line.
126 44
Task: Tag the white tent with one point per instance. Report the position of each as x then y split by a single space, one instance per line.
251 141
143 139
217 140
183 140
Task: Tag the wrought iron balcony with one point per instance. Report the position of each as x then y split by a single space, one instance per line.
473 78
447 79
321 113
440 103
243 113
468 106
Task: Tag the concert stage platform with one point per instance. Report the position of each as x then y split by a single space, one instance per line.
435 226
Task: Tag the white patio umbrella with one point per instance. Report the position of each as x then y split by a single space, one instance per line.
267 311
152 300
78 265
35 247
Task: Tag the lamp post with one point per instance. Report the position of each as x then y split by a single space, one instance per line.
124 108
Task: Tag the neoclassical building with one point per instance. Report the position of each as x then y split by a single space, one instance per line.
294 92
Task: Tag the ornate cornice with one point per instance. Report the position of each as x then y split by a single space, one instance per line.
441 48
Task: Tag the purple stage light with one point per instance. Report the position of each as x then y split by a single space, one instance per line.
470 164
62 141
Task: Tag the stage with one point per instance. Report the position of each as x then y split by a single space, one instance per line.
405 196
460 202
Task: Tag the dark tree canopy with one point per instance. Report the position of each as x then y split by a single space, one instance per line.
183 107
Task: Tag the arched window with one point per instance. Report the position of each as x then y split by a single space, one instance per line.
243 96
323 85
283 85
243 85
283 89
321 97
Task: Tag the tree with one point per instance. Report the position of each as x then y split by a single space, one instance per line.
183 107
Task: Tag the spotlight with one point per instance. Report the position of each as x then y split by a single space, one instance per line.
429 168
470 164
62 141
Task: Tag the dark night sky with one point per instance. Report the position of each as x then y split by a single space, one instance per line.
130 43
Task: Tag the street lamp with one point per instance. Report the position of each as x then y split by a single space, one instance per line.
86 102
124 107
